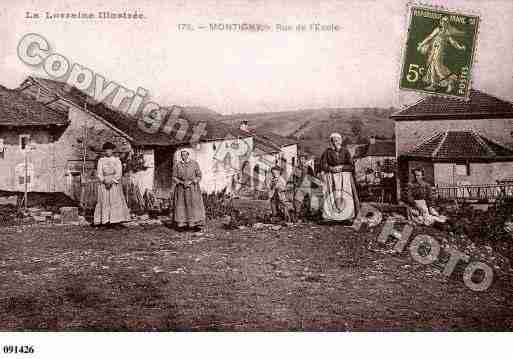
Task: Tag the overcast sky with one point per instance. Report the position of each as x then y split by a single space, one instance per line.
252 72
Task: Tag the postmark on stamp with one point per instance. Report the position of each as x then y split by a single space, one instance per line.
439 52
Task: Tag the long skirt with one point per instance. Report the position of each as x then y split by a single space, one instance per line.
111 206
425 215
341 201
188 206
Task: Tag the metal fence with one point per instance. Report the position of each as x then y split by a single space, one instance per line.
481 193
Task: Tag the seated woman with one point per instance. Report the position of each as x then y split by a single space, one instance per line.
419 199
341 202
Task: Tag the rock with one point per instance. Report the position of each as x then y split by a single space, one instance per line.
69 214
131 224
9 200
283 274
312 277
157 270
151 222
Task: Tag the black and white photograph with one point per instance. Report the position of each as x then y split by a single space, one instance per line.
201 169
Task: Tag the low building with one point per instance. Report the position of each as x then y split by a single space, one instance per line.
455 141
455 158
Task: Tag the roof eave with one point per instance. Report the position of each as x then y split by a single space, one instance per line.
456 159
17 124
455 116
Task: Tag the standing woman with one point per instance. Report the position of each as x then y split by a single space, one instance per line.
341 202
111 207
189 210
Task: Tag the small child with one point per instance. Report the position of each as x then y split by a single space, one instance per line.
280 205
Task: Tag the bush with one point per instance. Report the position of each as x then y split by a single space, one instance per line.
483 227
9 215
219 205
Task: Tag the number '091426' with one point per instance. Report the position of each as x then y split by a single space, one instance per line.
18 349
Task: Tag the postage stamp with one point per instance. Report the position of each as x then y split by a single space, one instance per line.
439 52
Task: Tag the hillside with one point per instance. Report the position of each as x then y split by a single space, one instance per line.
313 127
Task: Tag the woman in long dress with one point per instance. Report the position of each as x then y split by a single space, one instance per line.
111 206
188 207
341 203
435 48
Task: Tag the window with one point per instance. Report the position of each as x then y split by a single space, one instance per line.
462 169
24 141
293 159
22 180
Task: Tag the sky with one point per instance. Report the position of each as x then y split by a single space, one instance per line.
235 72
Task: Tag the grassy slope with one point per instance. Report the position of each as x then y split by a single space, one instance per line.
313 127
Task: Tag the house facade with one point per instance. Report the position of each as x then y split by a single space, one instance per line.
456 142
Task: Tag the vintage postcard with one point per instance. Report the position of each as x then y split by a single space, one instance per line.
254 166
439 52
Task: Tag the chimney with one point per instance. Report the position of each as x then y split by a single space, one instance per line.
244 126
372 140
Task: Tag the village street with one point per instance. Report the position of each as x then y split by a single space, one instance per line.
305 277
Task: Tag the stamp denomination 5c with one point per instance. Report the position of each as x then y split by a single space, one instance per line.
439 52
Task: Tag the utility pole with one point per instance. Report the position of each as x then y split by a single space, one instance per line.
25 197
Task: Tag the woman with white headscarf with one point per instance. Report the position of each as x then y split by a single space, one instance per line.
340 196
188 208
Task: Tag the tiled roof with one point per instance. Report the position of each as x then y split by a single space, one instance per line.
276 139
480 105
381 149
215 130
460 145
264 148
18 109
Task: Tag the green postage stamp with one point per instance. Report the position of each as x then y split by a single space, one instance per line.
439 52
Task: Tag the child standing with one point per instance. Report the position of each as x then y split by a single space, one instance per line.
280 206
